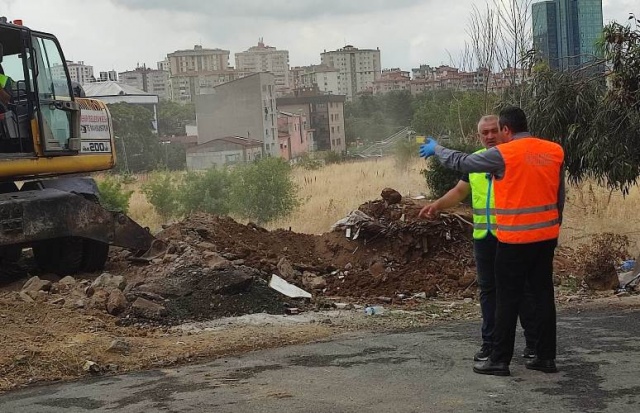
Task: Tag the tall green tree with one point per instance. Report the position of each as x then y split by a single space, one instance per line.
137 147
173 117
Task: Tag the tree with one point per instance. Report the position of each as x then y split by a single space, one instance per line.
263 190
598 127
173 117
137 147
205 192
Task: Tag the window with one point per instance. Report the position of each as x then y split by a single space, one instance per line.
333 129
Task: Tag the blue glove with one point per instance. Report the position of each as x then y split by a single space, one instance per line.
428 148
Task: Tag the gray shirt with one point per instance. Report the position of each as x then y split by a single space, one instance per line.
489 161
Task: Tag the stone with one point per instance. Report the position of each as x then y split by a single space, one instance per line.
106 280
58 301
99 300
286 269
147 309
26 297
116 303
119 346
35 284
348 267
391 196
343 306
68 280
206 246
311 281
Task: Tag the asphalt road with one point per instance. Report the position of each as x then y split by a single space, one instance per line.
418 371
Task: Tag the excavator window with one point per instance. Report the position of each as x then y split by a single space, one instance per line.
15 130
54 89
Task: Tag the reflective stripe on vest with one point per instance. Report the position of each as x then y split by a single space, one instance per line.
483 203
527 195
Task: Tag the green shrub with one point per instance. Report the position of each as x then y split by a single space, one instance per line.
205 192
113 196
308 163
161 192
264 190
440 179
333 157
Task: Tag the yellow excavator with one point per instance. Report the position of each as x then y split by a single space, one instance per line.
50 141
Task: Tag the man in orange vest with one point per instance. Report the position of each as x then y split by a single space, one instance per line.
480 186
529 199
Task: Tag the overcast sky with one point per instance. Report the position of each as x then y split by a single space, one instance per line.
119 34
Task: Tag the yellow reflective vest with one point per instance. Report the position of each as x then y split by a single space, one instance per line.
483 203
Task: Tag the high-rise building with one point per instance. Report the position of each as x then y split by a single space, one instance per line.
358 68
152 81
197 71
545 31
79 72
565 31
262 58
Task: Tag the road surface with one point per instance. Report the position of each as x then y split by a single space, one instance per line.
418 371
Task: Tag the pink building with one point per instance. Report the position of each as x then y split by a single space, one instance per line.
293 135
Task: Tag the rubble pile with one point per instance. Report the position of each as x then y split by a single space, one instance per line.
216 267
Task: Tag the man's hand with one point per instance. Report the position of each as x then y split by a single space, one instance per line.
428 148
429 211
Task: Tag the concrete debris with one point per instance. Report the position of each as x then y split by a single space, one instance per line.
286 288
106 280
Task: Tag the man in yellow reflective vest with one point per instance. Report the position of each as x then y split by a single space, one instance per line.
480 185
6 83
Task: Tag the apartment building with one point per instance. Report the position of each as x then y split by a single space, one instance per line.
392 80
244 107
358 69
325 114
263 58
150 80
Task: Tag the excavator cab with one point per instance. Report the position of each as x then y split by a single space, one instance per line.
49 139
43 123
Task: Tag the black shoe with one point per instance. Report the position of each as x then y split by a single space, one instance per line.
529 353
545 366
492 368
483 354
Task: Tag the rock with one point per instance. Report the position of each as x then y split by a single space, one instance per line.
238 262
169 258
623 294
602 281
116 303
343 306
420 296
286 269
147 309
79 304
119 346
216 261
311 281
68 280
107 280
468 300
348 267
386 300
99 300
206 246
58 301
35 284
391 196
26 297
89 291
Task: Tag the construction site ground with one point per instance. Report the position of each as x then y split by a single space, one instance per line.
208 295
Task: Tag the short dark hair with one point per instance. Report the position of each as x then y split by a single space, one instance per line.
514 118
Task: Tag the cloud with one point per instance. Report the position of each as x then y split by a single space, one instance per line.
301 10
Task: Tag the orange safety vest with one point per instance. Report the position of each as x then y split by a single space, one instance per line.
526 197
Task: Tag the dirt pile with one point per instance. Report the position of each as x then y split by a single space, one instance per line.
216 267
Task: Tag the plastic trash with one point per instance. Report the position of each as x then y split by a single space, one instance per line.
627 265
374 310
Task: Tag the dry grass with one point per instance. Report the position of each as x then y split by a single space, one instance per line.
329 193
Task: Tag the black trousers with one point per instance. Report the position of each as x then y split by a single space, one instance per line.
517 264
484 251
